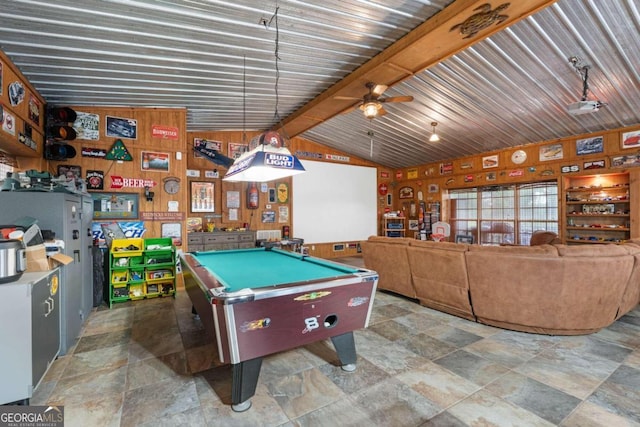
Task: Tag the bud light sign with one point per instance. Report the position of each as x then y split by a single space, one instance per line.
242 165
129 228
278 160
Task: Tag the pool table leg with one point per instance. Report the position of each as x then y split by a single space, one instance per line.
346 349
245 380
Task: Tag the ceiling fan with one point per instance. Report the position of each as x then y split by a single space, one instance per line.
371 103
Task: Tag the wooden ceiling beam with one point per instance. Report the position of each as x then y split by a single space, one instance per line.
427 45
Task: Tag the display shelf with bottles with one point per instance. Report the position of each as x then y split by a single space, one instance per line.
393 226
597 209
141 268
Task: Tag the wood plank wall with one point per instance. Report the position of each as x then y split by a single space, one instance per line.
433 180
545 162
302 148
29 111
155 212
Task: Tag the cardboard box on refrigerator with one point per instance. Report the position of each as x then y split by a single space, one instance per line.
37 259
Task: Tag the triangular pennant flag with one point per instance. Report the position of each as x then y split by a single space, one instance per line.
119 152
213 156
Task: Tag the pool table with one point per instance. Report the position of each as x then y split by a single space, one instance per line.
257 302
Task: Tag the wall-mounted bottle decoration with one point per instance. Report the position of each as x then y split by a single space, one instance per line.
252 196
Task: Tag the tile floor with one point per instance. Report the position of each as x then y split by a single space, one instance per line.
148 363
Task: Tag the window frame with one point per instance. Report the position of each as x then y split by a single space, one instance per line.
493 216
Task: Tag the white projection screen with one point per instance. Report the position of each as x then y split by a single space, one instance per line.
334 203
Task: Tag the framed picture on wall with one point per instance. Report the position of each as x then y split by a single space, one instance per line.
236 149
631 139
551 152
268 216
194 224
233 199
202 196
115 205
154 161
173 230
121 127
490 161
589 145
70 172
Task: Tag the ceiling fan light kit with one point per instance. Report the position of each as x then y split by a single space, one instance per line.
371 103
371 109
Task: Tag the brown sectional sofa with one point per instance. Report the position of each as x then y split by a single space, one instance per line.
547 289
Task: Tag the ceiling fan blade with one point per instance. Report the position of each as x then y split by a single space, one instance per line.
379 89
381 112
347 98
350 109
405 98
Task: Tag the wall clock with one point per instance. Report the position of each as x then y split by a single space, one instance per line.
519 156
171 184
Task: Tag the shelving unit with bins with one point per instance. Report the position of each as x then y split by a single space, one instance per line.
393 226
141 268
597 209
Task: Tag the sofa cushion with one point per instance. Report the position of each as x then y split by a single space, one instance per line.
439 273
390 240
530 251
444 246
632 247
388 257
592 250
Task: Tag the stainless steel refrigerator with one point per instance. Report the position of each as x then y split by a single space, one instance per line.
69 216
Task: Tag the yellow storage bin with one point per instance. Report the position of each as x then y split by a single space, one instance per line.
152 290
127 247
119 279
166 288
158 275
137 291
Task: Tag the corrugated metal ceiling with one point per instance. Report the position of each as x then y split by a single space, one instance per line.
217 59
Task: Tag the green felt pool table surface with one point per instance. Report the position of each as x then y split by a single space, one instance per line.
258 268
